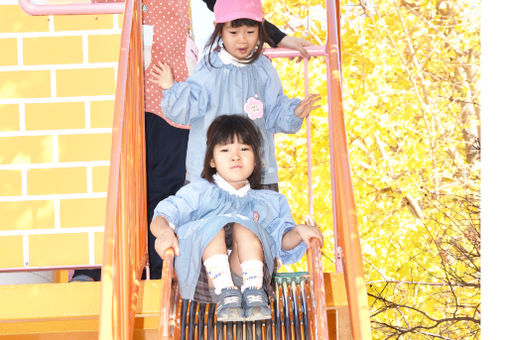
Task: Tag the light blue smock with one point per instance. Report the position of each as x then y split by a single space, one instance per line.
200 209
226 89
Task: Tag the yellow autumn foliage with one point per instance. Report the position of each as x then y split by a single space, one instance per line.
411 96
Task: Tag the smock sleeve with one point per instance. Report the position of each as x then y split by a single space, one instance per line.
280 115
182 207
279 226
186 101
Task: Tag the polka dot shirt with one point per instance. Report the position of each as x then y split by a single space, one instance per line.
170 20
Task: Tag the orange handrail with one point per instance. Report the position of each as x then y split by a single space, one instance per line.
344 209
125 236
320 318
167 274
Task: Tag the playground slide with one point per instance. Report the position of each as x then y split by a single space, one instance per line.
125 253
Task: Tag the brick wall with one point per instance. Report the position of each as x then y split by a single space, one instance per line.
57 85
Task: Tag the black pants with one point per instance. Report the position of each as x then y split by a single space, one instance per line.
166 171
165 152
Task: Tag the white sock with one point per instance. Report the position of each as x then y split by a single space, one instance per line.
253 274
218 269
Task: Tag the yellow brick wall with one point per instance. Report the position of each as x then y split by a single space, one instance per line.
57 86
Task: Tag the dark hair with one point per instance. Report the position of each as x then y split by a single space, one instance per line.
218 28
223 130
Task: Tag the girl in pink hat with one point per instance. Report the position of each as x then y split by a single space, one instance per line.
234 78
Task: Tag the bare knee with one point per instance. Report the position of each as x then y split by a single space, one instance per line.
244 236
246 243
216 246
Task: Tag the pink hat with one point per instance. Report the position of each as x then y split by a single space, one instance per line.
228 10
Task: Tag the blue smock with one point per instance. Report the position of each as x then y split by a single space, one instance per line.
253 90
200 209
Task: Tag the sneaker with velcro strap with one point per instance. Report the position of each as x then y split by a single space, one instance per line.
256 304
229 306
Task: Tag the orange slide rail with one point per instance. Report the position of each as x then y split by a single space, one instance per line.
319 315
347 241
125 236
167 320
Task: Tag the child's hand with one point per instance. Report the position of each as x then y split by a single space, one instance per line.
296 43
307 105
165 240
162 75
309 231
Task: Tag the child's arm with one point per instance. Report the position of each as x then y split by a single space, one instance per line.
183 102
300 232
165 236
162 75
283 114
307 105
175 211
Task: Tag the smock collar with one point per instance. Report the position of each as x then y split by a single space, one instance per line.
228 58
223 184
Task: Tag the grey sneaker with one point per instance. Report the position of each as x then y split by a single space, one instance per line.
229 306
256 305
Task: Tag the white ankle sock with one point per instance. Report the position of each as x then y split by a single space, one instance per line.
218 269
253 274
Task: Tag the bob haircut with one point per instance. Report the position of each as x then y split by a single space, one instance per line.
223 130
216 36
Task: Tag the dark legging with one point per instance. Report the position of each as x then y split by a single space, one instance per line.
166 170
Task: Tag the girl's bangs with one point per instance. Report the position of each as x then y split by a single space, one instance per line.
243 22
229 132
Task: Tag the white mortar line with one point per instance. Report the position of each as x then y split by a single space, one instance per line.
24 182
116 22
87 114
51 24
53 83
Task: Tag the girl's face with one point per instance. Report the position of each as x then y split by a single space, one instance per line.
234 162
239 41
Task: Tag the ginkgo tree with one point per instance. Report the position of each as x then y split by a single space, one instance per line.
411 90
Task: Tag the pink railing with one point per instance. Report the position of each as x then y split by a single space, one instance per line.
97 7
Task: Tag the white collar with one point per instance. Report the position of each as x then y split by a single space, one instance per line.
228 58
223 184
